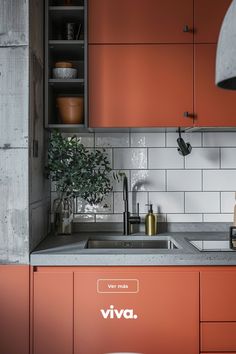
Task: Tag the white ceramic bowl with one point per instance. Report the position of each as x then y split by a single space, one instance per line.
64 73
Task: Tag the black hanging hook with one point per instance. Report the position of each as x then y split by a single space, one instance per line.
184 148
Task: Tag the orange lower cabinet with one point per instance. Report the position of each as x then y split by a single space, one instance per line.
219 337
53 312
140 85
14 309
218 289
136 310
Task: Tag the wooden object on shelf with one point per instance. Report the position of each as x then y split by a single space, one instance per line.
71 109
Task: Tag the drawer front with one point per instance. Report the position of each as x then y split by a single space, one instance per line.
219 337
218 291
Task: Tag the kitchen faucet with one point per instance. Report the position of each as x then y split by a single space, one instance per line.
127 219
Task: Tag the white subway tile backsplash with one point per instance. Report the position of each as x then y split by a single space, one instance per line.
195 139
112 139
84 218
148 180
109 217
134 198
118 184
133 158
197 188
219 180
184 180
164 158
147 139
203 158
87 139
167 202
227 202
105 207
184 218
219 139
218 217
228 158
202 202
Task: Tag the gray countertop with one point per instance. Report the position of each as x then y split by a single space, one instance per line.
70 251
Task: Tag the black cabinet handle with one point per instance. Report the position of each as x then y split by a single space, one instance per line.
187 115
186 29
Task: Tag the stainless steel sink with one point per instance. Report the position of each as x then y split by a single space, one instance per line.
134 244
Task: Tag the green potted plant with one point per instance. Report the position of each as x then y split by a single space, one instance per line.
77 172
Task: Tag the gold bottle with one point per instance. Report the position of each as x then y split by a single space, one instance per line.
150 222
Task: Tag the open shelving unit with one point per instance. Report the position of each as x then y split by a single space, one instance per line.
58 48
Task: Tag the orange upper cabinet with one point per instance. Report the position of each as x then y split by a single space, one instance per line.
214 107
208 17
140 85
139 21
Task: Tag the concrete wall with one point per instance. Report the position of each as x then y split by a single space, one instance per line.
14 92
23 189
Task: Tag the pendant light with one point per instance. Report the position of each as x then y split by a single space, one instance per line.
226 51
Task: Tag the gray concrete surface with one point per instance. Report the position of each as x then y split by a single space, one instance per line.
71 251
14 100
23 188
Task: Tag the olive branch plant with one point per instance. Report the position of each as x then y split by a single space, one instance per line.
78 171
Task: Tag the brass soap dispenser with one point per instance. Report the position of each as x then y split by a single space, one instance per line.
150 222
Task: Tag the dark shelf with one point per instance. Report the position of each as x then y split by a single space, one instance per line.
61 3
64 84
68 128
57 48
66 8
65 42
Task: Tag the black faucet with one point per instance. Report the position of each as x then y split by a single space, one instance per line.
127 219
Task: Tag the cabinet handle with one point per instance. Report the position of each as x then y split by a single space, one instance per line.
187 115
186 29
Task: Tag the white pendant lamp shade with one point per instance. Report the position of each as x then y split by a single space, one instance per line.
226 51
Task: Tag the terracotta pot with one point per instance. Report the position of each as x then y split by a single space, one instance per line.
71 109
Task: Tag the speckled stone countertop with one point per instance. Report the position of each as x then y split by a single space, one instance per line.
71 251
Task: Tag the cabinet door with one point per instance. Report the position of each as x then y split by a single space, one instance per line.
218 336
218 291
208 17
53 312
140 85
136 311
213 106
14 309
138 21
